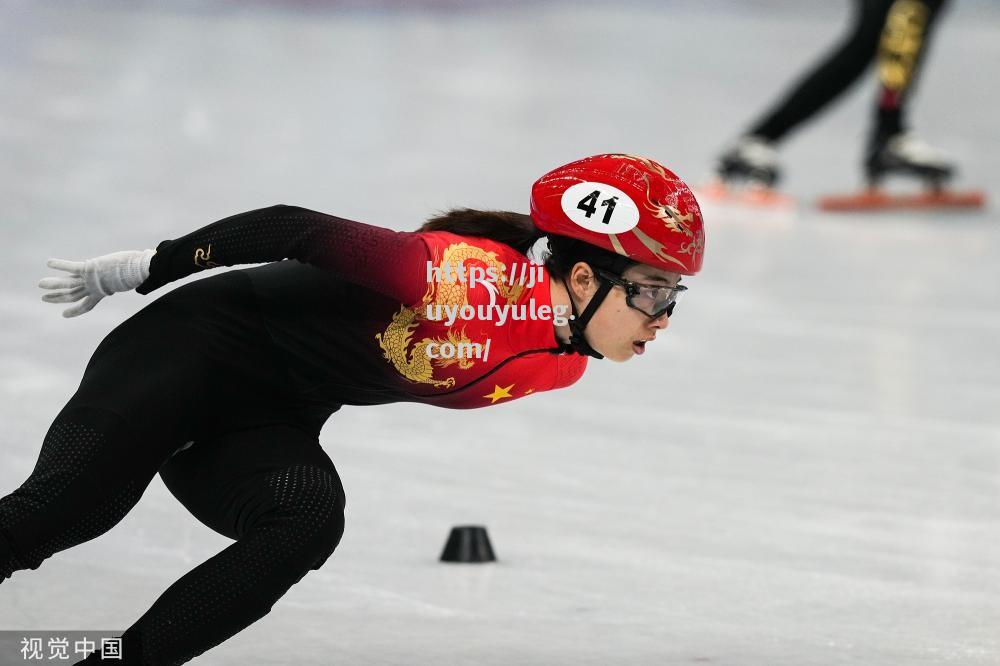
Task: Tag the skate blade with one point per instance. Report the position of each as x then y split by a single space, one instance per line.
873 200
756 196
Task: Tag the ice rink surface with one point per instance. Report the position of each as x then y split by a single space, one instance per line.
804 470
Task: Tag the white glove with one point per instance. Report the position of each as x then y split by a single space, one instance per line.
93 279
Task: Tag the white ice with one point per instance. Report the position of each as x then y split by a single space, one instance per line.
804 470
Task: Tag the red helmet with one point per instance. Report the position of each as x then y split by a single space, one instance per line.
626 204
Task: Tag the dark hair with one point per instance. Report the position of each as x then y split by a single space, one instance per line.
519 231
514 229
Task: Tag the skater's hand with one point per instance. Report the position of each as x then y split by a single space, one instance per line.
91 280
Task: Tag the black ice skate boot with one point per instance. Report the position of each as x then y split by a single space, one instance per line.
905 155
752 161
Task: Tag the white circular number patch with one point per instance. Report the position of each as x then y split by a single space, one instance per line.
600 207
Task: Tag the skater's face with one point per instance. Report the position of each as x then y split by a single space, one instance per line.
617 330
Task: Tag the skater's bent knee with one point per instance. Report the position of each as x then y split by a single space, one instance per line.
309 502
327 539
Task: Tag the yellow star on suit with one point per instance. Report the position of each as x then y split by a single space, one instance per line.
499 393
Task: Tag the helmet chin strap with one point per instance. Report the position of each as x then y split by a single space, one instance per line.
596 258
577 342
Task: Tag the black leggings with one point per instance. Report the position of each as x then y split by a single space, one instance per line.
903 35
194 366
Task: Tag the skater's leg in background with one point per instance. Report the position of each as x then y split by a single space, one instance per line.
902 49
753 158
277 493
831 77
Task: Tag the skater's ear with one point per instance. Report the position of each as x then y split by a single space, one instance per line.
582 281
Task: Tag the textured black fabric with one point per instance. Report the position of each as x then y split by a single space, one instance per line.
76 491
197 365
275 492
139 400
837 71
352 250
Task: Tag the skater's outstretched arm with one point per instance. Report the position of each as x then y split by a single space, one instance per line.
387 261
89 281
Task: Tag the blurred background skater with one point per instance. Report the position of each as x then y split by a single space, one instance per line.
896 34
222 385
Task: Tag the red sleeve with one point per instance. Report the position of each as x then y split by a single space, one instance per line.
569 369
390 262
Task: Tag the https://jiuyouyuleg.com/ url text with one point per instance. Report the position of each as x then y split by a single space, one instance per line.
521 274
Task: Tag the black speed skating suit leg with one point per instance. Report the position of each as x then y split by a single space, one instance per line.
195 365
841 67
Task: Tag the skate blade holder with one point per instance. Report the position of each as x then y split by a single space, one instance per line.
875 199
757 196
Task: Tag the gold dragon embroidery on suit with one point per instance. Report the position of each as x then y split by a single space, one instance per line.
410 357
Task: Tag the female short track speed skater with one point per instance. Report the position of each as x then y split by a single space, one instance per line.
222 385
896 34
